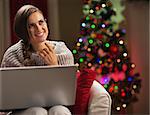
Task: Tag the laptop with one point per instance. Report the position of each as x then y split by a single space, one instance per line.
44 86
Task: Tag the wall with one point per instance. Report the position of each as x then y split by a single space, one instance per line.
70 15
64 20
4 26
53 19
1 29
137 23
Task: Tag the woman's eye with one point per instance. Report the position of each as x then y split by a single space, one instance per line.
31 25
41 22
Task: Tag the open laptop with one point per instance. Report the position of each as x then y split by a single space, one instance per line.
23 87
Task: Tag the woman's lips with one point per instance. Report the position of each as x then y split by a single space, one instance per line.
39 34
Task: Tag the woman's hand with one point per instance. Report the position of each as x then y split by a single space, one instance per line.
48 54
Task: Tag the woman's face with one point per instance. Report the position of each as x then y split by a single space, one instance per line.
37 28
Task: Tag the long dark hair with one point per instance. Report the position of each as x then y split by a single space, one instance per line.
20 28
20 21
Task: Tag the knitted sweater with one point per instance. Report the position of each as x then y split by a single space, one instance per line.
14 57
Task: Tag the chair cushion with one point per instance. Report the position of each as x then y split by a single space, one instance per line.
100 100
85 80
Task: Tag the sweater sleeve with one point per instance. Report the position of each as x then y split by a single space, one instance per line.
10 59
64 55
13 56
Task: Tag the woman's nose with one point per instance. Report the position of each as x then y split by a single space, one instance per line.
38 28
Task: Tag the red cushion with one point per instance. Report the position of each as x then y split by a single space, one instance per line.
85 80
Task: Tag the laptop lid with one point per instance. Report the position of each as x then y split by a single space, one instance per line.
23 87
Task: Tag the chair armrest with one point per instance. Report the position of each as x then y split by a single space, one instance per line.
100 100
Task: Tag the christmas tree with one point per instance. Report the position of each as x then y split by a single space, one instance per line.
103 48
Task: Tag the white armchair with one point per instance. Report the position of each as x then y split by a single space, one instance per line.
100 100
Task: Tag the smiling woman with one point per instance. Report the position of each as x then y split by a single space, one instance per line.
34 49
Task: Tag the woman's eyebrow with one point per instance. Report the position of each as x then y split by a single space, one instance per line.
36 22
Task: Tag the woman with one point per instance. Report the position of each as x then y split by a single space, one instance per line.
34 49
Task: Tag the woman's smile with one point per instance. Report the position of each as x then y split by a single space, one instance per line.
40 34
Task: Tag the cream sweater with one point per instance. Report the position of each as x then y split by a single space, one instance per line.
14 57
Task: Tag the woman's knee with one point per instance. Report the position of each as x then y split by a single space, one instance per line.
33 111
59 110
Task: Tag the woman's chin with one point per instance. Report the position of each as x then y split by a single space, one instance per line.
41 40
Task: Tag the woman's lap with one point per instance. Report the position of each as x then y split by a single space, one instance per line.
55 110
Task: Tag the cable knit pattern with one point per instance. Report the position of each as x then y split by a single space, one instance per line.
13 57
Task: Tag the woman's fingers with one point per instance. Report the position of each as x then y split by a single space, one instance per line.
50 48
46 59
46 51
41 54
49 56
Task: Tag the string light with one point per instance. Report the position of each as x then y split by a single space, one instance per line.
133 65
103 5
74 51
81 60
78 44
109 60
106 80
80 39
124 30
93 26
125 54
106 86
106 64
116 87
118 108
77 64
85 47
124 105
90 41
134 86
107 45
93 35
111 89
130 79
89 49
91 11
123 94
121 42
97 8
83 24
87 18
118 60
89 64
117 34
100 62
103 25
98 70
